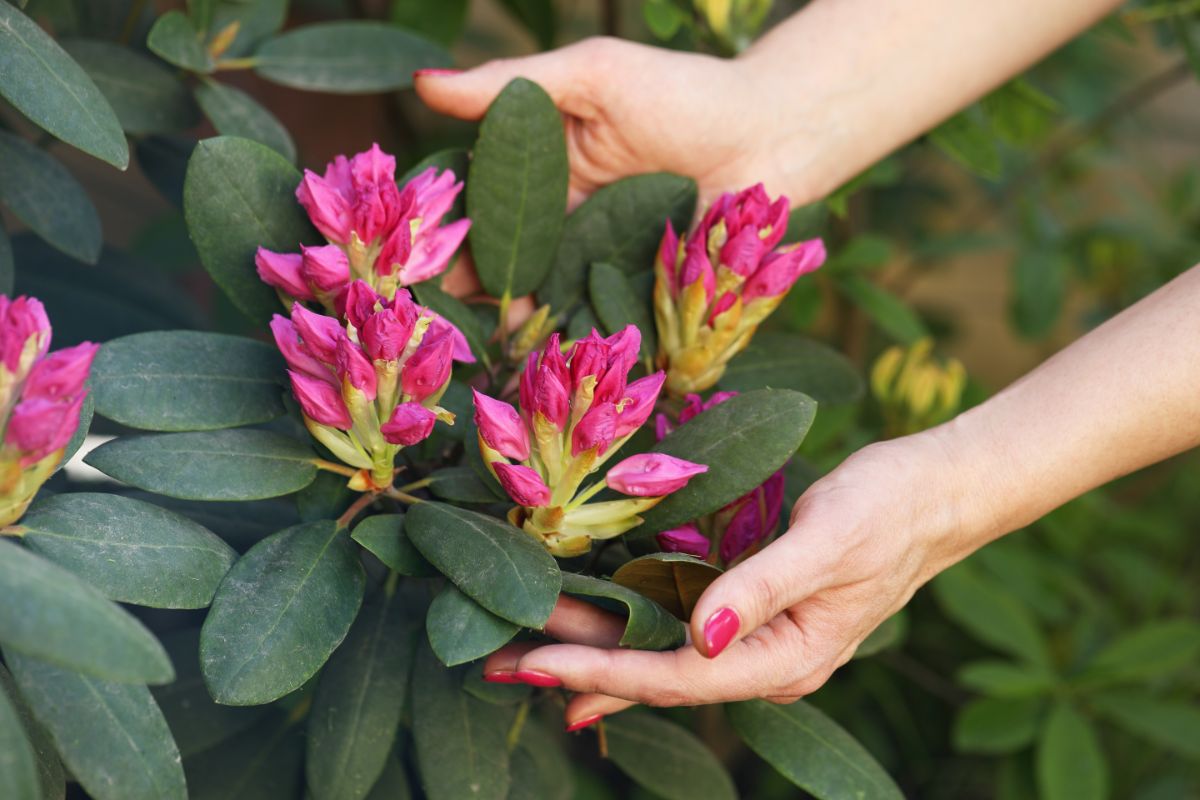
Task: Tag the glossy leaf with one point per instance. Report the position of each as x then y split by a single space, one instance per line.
240 195
618 303
1157 648
112 736
146 96
622 225
1070 764
665 758
461 630
51 615
547 768
47 86
496 565
188 381
235 113
442 22
1170 723
1039 291
1007 678
358 702
787 361
41 193
132 551
393 783
51 782
517 190
456 312
175 40
674 581
649 625
536 15
989 613
461 485
279 613
6 263
18 764
241 464
347 57
384 535
264 762
811 750
744 441
893 316
966 140
994 726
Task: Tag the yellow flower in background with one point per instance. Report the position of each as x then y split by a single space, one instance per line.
734 21
915 389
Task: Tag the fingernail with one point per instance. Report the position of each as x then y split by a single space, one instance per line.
433 72
535 678
580 724
720 630
501 676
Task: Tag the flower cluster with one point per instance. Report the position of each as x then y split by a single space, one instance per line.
41 394
371 385
377 232
915 390
714 287
738 528
576 411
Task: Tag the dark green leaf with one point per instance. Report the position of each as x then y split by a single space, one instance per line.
674 581
1039 291
1070 764
384 536
393 783
175 39
51 782
1007 678
649 625
188 381
357 706
621 224
663 18
1157 648
582 323
146 96
1020 113
994 726
811 750
496 565
18 764
461 740
989 613
517 190
132 551
51 615
743 441
256 21
279 613
325 498
618 304
41 193
347 57
1173 724
787 361
44 84
536 15
456 312
241 464
240 195
461 630
889 634
6 263
111 736
968 142
261 763
460 485
547 767
665 758
895 318
442 22
235 113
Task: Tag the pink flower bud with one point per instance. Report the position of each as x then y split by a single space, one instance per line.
410 423
550 396
755 519
779 271
662 427
743 251
638 403
668 253
282 271
377 207
21 319
697 267
320 400
325 268
360 303
523 484
462 348
329 210
355 368
501 427
41 425
428 369
694 404
320 334
434 195
652 474
62 374
431 252
298 359
385 335
597 429
396 250
684 539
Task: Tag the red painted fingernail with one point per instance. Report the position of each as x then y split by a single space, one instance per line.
501 676
720 630
534 678
580 724
435 73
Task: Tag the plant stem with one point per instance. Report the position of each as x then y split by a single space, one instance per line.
403 497
412 487
502 328
131 20
514 733
330 466
353 511
14 530
235 63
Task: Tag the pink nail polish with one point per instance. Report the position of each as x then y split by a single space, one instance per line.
501 676
433 72
720 630
535 678
580 724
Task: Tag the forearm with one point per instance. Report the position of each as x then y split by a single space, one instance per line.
843 83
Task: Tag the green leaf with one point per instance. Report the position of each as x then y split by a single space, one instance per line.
787 361
201 13
496 565
743 441
111 736
51 782
1155 649
48 87
18 764
460 485
188 381
442 22
235 113
461 630
649 625
663 18
1070 764
256 21
6 263
175 40
456 312
461 744
665 758
393 783
996 726
131 551
536 15
41 193
51 615
348 57
384 535
621 224
1039 290
811 750
264 762
358 702
989 613
1020 113
545 770
890 633
970 143
618 304
893 316
243 464
1172 724
279 613
517 190
674 581
146 96
240 195
1007 679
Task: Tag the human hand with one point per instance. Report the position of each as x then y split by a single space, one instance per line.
860 543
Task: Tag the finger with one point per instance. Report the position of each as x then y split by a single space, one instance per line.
585 710
501 666
579 622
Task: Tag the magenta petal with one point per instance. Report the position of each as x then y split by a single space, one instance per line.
282 271
319 333
287 338
328 209
462 348
428 369
638 403
384 335
19 320
409 424
684 539
325 267
501 427
523 484
354 366
320 400
597 429
652 474
62 374
780 270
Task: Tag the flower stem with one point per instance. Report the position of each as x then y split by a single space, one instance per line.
236 63
330 466
14 530
403 497
412 487
353 511
514 733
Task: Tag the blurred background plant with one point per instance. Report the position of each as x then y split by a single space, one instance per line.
1062 662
